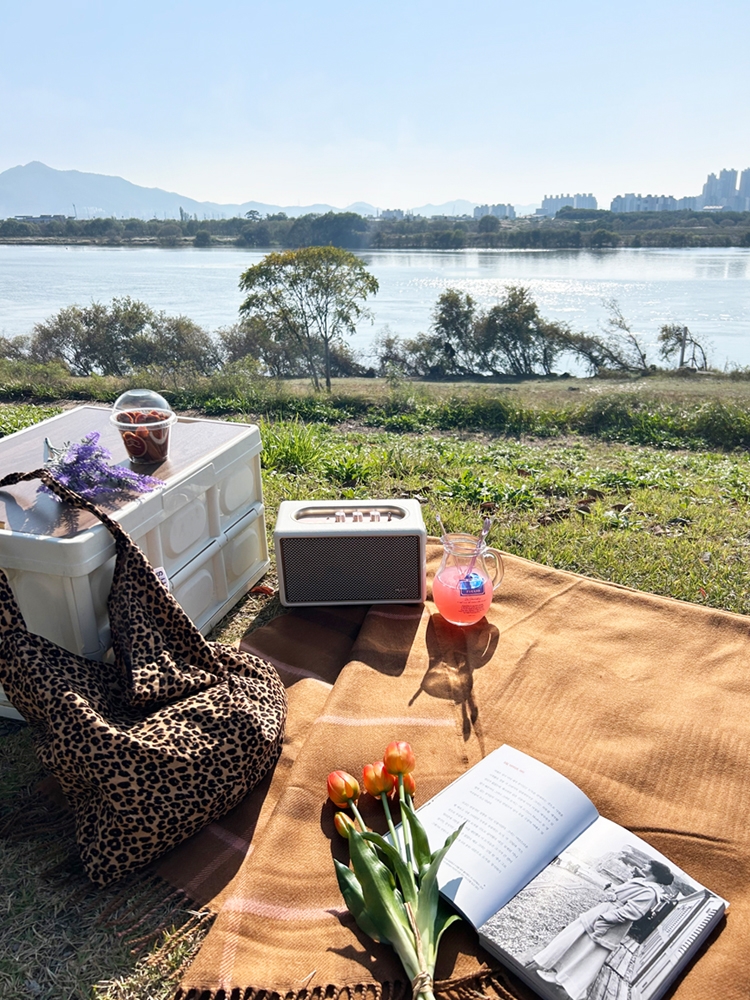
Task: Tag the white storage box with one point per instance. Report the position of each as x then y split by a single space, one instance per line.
205 527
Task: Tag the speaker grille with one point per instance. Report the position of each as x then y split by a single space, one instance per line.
348 569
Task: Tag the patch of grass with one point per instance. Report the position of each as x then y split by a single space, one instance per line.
56 939
710 411
290 446
669 522
16 417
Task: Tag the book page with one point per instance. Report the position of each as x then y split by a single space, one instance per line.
599 921
519 815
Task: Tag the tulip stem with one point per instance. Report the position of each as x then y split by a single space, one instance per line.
389 818
404 823
357 816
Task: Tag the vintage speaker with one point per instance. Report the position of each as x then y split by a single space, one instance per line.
350 552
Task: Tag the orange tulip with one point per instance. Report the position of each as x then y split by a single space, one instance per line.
343 824
410 785
342 788
399 758
377 780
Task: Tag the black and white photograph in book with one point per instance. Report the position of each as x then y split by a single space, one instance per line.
609 918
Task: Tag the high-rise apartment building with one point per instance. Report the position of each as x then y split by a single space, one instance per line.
718 193
551 204
744 191
584 201
500 211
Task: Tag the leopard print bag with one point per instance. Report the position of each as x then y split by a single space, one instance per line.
151 747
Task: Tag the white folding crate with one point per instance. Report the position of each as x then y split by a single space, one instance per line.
205 526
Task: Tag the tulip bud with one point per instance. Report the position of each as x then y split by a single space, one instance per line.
410 785
343 824
341 788
399 758
377 780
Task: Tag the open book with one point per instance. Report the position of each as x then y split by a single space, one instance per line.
574 904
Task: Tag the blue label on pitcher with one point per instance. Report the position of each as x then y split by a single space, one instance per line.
471 585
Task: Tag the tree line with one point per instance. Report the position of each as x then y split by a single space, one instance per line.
512 338
571 229
299 309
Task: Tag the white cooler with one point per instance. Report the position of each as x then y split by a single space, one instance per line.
205 527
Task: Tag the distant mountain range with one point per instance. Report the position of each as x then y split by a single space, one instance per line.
36 189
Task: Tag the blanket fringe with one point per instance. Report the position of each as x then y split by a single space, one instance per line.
496 984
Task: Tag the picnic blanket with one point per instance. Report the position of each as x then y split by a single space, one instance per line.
642 701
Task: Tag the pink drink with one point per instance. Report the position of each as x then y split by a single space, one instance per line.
460 599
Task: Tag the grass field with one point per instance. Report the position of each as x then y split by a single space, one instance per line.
670 516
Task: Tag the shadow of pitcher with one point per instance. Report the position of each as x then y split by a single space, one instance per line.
455 652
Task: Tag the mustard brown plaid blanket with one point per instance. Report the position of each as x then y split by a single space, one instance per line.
642 701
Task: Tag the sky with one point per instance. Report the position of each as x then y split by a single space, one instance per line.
397 104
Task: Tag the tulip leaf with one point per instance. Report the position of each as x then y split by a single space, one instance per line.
404 873
386 861
382 902
420 843
351 890
428 889
431 941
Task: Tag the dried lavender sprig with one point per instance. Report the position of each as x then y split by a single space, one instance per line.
83 468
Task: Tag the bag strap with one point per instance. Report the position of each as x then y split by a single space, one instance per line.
121 537
125 547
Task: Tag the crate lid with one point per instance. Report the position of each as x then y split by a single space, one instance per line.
41 533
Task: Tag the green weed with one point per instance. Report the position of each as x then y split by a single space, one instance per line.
290 447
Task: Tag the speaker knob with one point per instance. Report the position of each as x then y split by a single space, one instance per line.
340 517
374 515
357 516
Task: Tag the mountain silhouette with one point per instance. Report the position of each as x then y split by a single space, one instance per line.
36 189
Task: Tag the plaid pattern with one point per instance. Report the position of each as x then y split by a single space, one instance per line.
642 701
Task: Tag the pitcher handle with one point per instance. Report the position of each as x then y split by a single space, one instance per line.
498 570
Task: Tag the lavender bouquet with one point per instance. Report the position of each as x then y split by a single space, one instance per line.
84 468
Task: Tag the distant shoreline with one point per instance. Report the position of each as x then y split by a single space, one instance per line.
224 243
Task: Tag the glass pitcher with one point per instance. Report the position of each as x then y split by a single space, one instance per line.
468 576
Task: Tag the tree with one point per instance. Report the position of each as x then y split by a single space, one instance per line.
91 340
512 338
256 235
173 344
169 235
15 348
488 224
619 350
453 321
604 238
121 338
253 338
339 229
623 343
202 238
313 297
678 340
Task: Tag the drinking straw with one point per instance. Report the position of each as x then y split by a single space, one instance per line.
442 526
480 541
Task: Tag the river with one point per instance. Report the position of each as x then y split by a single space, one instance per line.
706 289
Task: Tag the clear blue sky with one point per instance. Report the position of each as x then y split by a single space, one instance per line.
395 103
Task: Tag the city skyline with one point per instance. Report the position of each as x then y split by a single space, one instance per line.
294 103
